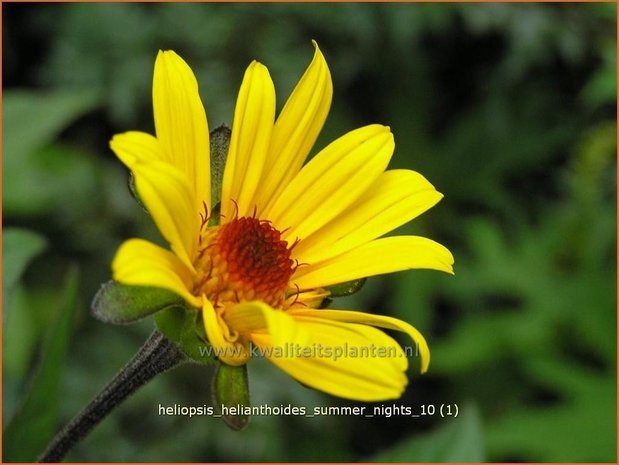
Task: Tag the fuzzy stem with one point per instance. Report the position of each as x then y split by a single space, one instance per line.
157 355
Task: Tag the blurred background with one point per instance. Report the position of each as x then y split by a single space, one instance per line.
509 109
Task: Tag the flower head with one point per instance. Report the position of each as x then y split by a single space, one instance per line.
260 269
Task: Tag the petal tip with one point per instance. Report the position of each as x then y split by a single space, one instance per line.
317 51
160 57
449 268
167 59
257 71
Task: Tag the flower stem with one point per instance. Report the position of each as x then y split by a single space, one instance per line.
157 355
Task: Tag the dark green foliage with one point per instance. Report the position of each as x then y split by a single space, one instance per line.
36 420
508 109
459 439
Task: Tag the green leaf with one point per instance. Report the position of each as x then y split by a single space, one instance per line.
121 304
587 412
19 247
45 177
34 424
601 89
231 390
460 439
33 119
21 334
53 179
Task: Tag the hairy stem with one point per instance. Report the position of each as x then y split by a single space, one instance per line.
157 355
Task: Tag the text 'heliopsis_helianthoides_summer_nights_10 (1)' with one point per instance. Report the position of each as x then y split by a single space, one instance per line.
256 252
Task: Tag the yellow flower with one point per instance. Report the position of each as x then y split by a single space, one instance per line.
286 231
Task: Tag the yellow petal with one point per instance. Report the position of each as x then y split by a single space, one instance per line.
380 256
142 263
247 318
170 201
251 134
136 147
332 181
346 360
232 353
395 198
296 129
376 373
180 121
349 316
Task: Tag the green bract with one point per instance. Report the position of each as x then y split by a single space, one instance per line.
121 304
231 390
182 326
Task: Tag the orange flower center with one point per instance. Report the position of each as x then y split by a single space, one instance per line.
245 259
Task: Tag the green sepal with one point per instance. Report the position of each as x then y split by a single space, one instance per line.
220 143
171 322
347 288
215 217
183 326
231 390
134 192
121 304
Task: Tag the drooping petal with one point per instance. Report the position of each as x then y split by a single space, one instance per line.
142 263
166 194
396 197
332 181
180 122
249 143
349 316
136 147
380 256
231 352
296 129
248 318
346 360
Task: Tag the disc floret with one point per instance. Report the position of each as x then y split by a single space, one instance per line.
242 260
